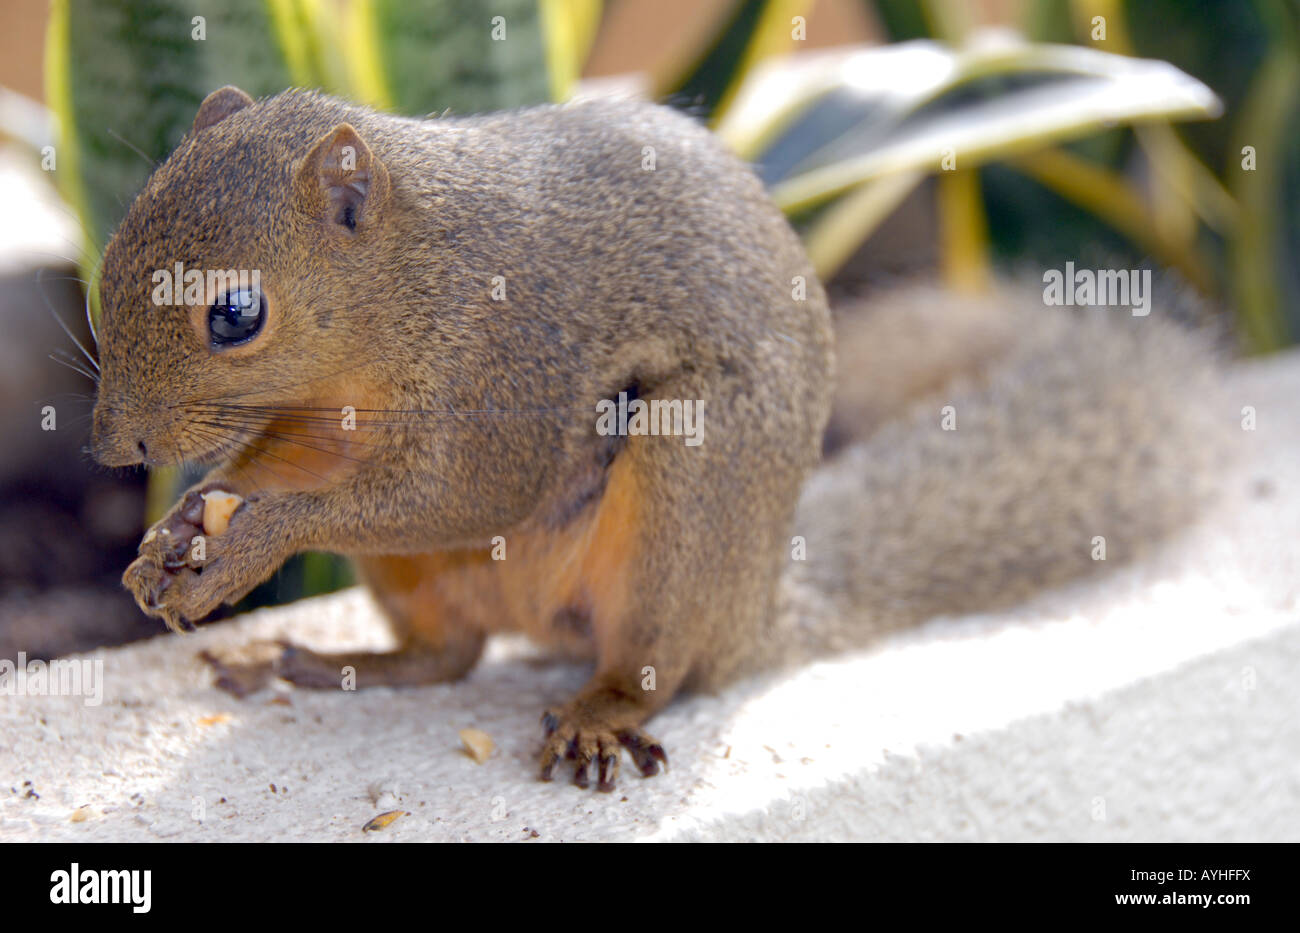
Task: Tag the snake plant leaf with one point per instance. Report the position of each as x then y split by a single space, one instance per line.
701 83
705 78
1266 285
569 28
126 78
835 120
426 56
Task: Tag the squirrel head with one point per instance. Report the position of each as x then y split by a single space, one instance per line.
233 278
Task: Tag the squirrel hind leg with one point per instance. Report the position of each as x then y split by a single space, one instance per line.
438 641
248 669
605 717
414 665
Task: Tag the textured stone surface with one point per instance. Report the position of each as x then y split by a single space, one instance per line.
1156 702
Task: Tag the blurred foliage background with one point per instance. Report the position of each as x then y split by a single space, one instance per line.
956 139
1066 143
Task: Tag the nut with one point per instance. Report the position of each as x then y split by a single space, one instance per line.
218 506
478 744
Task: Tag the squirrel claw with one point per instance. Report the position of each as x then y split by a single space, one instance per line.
597 747
608 772
645 751
582 773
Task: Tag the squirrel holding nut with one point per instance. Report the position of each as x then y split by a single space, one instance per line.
416 382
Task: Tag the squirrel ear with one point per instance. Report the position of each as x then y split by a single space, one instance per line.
218 105
343 180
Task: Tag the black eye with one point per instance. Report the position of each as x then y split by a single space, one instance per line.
236 318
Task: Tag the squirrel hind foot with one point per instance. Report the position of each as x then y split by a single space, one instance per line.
593 731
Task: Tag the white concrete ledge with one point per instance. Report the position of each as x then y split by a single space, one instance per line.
1156 702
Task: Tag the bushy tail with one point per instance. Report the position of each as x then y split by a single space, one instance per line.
1060 431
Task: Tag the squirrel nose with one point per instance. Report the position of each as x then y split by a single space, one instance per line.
111 445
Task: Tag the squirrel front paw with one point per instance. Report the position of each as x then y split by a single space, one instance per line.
185 570
590 735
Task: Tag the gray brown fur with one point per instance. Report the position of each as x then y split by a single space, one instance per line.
678 281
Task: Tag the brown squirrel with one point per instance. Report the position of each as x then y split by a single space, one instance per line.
470 290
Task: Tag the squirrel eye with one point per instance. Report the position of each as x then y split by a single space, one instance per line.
236 318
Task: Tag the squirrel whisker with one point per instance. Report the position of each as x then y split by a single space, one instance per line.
62 326
132 146
250 446
262 426
213 436
73 365
228 449
286 412
288 439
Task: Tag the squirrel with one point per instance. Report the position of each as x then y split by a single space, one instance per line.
470 291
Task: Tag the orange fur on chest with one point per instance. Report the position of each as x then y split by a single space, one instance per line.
566 586
316 445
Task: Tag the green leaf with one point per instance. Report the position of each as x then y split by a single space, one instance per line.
433 55
844 118
702 86
126 79
1258 253
902 19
